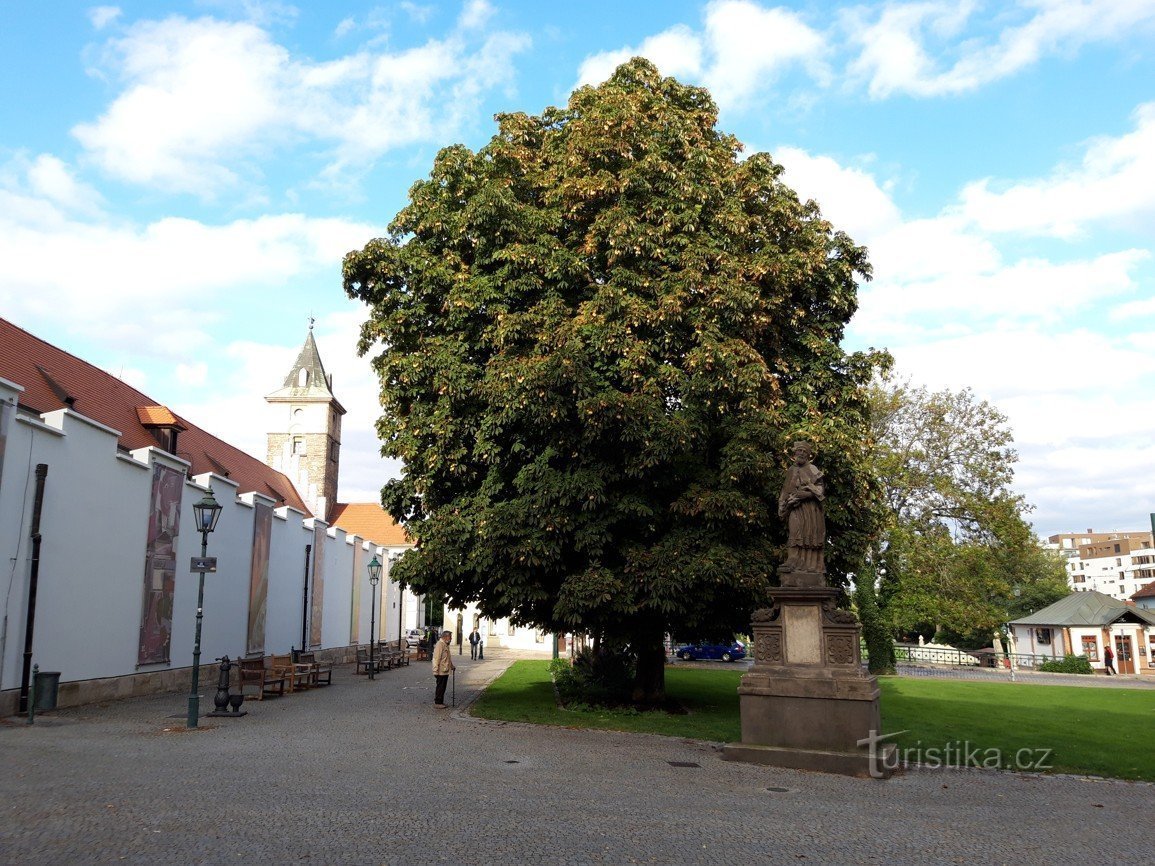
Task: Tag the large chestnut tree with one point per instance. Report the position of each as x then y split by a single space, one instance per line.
596 338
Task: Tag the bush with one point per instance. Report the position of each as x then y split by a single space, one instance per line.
597 677
1068 665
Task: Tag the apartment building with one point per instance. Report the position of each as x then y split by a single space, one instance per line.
1117 564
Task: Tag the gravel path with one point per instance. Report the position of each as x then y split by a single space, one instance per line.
368 772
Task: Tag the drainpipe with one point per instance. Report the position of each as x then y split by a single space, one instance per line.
305 602
34 577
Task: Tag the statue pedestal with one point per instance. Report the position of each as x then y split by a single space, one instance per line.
806 702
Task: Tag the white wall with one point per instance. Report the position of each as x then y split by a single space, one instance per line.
94 532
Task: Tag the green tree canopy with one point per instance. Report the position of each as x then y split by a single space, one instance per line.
596 338
957 543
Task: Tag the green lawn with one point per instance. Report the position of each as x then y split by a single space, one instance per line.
1103 732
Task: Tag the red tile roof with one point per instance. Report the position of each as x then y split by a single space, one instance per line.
1145 591
370 521
53 379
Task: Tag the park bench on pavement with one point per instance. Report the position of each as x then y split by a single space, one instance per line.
320 673
296 675
254 674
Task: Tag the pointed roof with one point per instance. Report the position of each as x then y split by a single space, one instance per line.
54 379
307 381
1087 608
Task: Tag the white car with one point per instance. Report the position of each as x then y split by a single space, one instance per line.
413 637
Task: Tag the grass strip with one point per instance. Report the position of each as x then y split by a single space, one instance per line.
1093 731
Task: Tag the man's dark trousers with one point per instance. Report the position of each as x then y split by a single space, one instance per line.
442 682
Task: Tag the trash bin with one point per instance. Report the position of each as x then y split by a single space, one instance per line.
47 689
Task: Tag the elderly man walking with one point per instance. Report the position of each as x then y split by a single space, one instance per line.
442 666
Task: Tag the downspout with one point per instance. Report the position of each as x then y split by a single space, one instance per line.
33 579
305 602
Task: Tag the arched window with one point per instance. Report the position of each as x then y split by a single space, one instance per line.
303 378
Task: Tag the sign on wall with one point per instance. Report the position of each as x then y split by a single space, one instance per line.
318 589
259 577
355 612
160 566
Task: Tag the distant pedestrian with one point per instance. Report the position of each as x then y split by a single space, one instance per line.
1109 660
474 640
442 666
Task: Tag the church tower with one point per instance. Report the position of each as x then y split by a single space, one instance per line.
309 449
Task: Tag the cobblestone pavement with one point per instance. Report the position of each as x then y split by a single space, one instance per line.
368 772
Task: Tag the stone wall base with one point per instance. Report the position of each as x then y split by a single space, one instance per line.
76 693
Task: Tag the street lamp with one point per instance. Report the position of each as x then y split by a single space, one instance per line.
374 578
206 512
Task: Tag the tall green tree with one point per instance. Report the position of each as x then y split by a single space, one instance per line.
596 338
957 543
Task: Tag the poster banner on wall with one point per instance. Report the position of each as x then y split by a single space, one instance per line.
355 613
160 566
259 577
318 589
6 412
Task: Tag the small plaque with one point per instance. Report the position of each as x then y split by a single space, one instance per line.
204 563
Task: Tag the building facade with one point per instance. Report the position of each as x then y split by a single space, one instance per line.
1117 564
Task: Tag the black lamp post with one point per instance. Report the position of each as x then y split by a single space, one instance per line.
207 512
374 578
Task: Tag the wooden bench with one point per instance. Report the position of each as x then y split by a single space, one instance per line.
320 673
296 675
254 674
363 660
400 650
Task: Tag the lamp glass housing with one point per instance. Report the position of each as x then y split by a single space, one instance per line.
207 511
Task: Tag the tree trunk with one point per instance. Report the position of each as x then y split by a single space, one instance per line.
650 679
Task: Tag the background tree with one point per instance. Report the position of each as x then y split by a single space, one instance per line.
957 543
598 336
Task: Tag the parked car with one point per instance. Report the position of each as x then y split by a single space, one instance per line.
727 652
413 636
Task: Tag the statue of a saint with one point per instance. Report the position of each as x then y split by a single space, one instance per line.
801 504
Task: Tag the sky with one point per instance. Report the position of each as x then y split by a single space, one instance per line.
179 182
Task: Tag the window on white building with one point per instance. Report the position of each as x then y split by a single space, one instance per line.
1043 635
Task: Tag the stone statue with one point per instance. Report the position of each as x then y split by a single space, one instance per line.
801 505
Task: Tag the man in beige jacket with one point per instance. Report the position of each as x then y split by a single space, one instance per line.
442 665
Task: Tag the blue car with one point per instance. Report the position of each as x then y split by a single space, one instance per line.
727 652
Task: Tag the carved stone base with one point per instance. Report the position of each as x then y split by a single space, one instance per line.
806 702
860 764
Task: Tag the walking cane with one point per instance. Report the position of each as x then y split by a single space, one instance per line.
455 687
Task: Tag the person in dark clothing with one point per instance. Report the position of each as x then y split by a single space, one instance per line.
1109 660
474 640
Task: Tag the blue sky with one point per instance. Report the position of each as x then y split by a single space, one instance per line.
179 182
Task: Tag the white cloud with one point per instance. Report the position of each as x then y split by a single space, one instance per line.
204 100
144 285
101 16
741 49
750 46
47 186
850 198
193 375
475 14
677 52
1116 179
899 41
